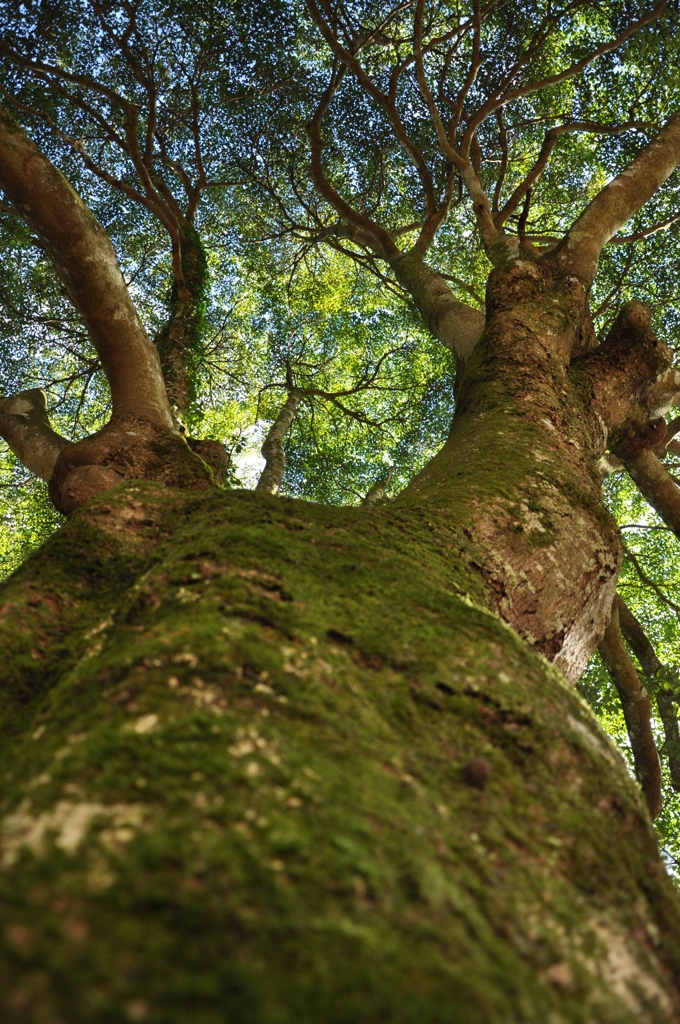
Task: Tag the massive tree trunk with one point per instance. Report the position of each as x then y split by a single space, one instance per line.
270 761
266 761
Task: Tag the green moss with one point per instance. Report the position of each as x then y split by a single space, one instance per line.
270 730
181 341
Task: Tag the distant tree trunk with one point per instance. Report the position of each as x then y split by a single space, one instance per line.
268 760
272 449
180 342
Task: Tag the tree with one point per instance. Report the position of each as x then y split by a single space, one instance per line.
274 760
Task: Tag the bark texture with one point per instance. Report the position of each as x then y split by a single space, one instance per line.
378 492
619 201
180 342
636 711
653 670
269 761
455 324
272 762
127 448
272 449
656 484
86 263
519 470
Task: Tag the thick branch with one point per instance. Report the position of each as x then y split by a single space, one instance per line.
636 711
629 376
455 324
378 492
657 486
638 639
619 200
179 343
86 263
651 666
26 428
272 449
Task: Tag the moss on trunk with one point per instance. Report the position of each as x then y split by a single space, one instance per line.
236 785
180 341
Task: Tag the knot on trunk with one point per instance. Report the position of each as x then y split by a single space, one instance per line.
632 325
84 483
127 448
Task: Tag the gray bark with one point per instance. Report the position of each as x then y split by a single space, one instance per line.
26 428
272 449
652 666
636 711
86 264
620 200
452 322
378 491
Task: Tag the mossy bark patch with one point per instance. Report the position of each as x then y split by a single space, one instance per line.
247 794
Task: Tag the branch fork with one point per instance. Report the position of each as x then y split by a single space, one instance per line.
630 381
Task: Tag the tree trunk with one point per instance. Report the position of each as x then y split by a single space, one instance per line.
272 450
180 343
272 761
267 761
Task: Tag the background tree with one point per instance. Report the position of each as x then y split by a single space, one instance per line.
285 760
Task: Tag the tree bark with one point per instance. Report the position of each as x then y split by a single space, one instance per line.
272 761
277 736
140 441
636 711
25 426
180 343
518 477
653 669
378 492
455 324
619 201
242 779
86 263
272 449
657 486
